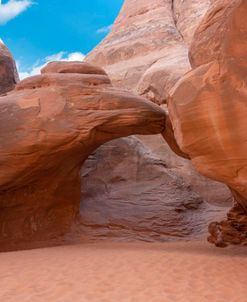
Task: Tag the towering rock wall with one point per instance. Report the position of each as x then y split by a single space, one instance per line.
8 73
208 109
147 48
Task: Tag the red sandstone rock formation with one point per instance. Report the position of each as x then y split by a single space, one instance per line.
8 73
49 125
147 52
59 138
208 110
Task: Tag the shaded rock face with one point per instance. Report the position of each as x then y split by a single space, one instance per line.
208 109
210 191
8 73
147 50
49 125
140 199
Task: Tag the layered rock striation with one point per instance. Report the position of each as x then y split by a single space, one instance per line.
147 49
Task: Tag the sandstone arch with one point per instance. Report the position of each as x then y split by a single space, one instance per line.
49 125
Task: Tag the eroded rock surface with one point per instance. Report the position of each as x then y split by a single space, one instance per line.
49 125
208 109
8 73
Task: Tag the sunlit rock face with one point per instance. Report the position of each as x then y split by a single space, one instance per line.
147 48
8 73
208 110
50 124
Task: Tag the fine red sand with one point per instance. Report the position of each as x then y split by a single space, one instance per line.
125 272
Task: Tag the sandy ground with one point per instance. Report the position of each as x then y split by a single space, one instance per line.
125 272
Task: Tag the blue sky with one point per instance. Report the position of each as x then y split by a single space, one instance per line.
41 30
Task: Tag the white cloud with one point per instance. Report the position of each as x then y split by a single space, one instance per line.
61 56
104 30
12 9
